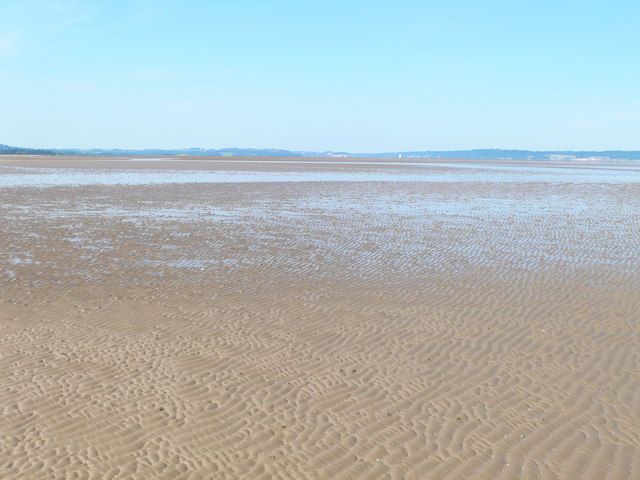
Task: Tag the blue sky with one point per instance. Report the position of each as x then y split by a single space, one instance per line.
361 76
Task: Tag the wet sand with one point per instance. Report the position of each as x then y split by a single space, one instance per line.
195 319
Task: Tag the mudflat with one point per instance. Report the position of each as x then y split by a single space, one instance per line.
318 318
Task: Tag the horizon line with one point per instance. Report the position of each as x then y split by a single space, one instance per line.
213 149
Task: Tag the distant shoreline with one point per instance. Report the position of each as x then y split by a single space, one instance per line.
426 155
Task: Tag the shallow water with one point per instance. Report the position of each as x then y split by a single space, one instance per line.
56 177
152 159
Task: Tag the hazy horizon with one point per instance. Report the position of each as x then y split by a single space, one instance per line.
320 151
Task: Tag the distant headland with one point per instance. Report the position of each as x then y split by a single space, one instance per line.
478 154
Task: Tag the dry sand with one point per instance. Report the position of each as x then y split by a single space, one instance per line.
460 328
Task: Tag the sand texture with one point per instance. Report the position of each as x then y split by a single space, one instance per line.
435 322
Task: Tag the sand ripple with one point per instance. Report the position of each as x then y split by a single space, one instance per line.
307 330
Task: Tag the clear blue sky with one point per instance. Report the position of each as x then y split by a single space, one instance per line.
360 75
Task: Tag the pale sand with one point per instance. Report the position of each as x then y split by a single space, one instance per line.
403 330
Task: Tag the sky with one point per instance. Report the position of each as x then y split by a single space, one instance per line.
357 76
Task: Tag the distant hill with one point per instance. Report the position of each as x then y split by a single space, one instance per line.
7 150
200 152
480 154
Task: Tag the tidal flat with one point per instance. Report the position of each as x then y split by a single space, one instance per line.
318 318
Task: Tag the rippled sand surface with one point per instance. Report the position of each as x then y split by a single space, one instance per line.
194 319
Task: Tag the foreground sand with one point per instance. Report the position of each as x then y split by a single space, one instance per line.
403 330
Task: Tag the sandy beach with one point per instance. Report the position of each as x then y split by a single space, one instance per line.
318 319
